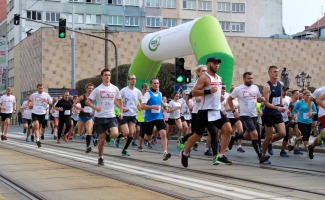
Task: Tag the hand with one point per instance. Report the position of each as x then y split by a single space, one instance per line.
156 107
310 114
98 108
236 115
262 99
213 89
120 115
125 109
139 107
281 109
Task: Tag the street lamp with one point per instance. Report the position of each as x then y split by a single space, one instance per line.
302 78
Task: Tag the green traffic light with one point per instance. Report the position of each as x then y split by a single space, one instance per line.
62 35
180 79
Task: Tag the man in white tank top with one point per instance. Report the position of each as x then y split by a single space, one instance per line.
210 115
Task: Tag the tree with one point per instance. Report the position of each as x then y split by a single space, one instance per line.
165 74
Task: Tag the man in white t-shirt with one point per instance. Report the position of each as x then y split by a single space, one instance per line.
27 116
39 102
8 106
319 96
131 97
106 94
248 95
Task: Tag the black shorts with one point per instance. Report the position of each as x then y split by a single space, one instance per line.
203 122
101 125
194 117
142 128
233 121
51 118
172 121
292 125
5 116
127 119
183 119
27 121
270 120
249 123
39 118
159 123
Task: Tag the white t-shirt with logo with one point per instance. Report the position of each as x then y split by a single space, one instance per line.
131 99
315 95
7 102
40 102
176 114
26 111
105 97
247 99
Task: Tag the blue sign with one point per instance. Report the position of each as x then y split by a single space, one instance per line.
73 92
180 88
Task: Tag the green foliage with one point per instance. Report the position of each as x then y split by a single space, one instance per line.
165 74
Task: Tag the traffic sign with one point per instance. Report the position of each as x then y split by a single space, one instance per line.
180 88
73 92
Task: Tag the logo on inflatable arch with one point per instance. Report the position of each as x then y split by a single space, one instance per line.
154 43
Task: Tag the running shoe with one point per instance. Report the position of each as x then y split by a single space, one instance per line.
140 148
221 160
184 159
117 142
27 140
95 141
166 156
32 138
154 138
298 152
134 144
4 137
125 153
55 137
264 159
180 144
270 149
38 144
52 131
147 143
240 150
283 153
88 149
208 153
42 136
311 151
195 146
100 162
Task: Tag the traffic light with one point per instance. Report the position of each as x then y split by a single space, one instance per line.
16 19
179 70
62 27
188 76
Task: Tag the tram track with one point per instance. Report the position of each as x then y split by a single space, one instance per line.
295 171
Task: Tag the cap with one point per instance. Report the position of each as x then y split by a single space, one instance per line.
214 60
186 92
285 88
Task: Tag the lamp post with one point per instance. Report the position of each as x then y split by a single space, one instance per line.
301 79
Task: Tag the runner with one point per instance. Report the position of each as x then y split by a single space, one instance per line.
8 106
27 116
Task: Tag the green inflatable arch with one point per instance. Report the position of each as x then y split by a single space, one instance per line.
203 37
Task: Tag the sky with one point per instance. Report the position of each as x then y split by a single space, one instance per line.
300 13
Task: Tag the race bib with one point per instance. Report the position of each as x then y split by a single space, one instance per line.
305 116
88 109
213 115
67 112
156 111
276 101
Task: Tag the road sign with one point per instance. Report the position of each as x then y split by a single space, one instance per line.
73 92
180 88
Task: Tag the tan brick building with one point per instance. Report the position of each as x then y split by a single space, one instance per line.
44 58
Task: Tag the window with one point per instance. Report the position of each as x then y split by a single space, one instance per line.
131 21
131 2
186 20
225 26
189 4
76 0
153 21
205 5
93 19
115 20
12 43
223 6
169 4
169 22
11 81
35 15
153 3
92 1
238 7
52 17
115 2
78 18
11 24
238 26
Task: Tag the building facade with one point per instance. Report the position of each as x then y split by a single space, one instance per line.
250 18
43 58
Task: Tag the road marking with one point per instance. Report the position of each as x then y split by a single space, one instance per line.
201 184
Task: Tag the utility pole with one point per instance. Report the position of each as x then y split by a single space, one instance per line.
106 46
73 84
